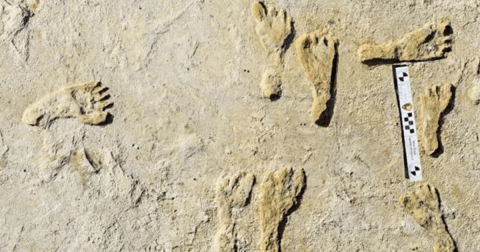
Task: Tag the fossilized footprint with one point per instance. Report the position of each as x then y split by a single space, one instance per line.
280 192
86 102
316 52
13 18
232 192
273 28
433 102
423 205
432 41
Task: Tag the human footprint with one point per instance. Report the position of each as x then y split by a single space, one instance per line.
423 204
316 52
280 192
232 192
86 102
273 28
432 41
433 101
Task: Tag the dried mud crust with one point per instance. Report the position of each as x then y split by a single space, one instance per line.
423 204
433 41
316 53
85 102
232 192
273 28
433 102
279 194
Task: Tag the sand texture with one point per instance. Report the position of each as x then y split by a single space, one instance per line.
244 126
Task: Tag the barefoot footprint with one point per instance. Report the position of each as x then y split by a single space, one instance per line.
273 28
316 52
232 193
279 193
432 103
432 41
86 102
423 205
13 19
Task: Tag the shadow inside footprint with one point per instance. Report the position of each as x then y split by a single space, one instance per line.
451 104
275 97
289 40
327 114
377 62
444 222
249 196
448 30
108 120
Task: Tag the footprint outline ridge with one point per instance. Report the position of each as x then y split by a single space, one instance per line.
422 202
280 194
433 41
86 102
232 192
317 52
433 102
273 27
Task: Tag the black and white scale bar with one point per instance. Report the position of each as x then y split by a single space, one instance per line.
401 77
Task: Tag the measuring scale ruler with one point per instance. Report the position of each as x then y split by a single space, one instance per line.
401 78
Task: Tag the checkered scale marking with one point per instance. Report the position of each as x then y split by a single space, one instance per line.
402 78
409 123
413 170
